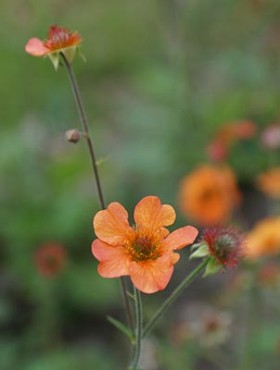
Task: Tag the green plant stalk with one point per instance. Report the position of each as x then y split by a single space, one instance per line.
173 296
138 330
85 125
84 121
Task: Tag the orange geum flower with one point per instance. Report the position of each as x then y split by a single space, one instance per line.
60 40
264 238
145 252
209 194
269 182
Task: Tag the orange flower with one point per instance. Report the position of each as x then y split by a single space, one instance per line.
269 182
60 40
236 130
226 135
50 258
209 194
145 251
264 238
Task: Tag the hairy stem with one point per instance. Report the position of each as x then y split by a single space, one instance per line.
85 125
84 121
138 329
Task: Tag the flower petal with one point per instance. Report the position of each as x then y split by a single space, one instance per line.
151 276
150 213
114 261
111 225
181 237
36 47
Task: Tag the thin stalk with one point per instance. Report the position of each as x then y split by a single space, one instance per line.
173 296
138 330
126 301
85 125
84 121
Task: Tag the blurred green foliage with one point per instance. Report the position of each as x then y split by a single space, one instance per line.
161 77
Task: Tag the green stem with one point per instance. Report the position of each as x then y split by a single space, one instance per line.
84 121
138 330
85 125
174 295
126 302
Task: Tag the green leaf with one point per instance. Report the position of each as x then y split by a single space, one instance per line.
122 327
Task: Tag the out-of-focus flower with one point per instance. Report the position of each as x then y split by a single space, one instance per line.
145 251
60 40
225 246
217 151
244 130
270 136
269 182
264 238
226 135
205 325
50 259
230 132
209 194
213 328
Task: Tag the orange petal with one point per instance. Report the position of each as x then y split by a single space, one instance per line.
150 213
36 47
111 225
151 276
180 238
114 261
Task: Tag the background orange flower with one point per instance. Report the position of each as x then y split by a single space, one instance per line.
269 182
264 238
209 194
145 252
50 258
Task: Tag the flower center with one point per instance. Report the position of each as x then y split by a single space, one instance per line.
143 249
224 246
209 194
60 38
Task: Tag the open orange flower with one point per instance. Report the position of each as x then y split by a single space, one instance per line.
264 238
60 40
209 194
145 251
269 182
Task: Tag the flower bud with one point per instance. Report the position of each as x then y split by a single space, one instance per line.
224 246
73 135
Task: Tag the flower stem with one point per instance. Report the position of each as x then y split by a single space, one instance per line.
85 125
126 302
84 121
174 295
138 330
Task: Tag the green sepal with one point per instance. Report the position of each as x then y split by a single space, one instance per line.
212 267
81 55
121 327
55 59
70 53
200 250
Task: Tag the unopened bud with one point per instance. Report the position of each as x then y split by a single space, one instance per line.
73 135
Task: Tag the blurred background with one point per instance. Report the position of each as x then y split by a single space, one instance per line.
169 86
